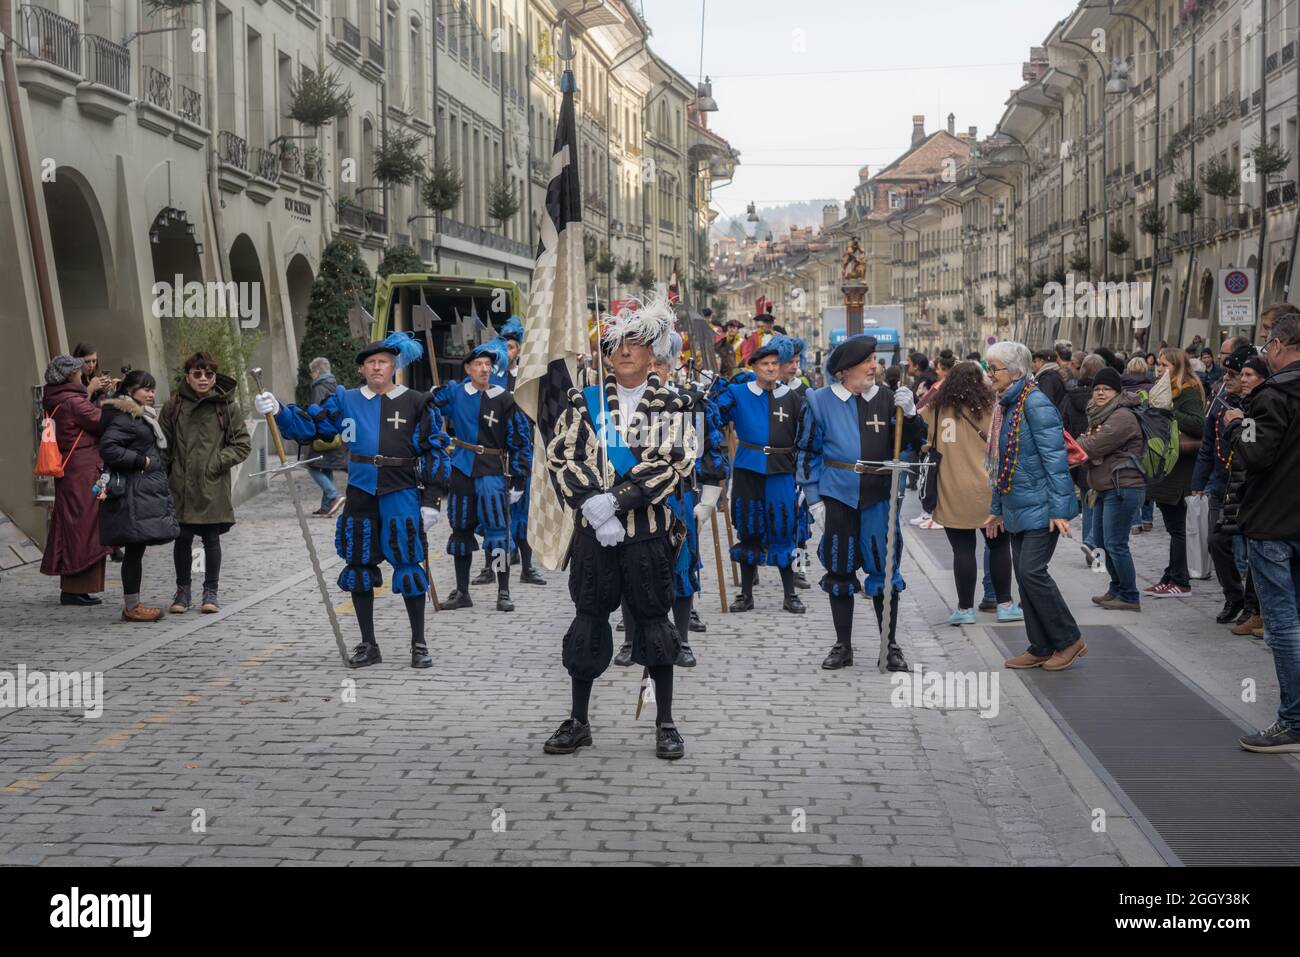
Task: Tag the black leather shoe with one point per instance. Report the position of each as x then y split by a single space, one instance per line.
1231 609
669 745
695 623
457 599
624 656
841 656
685 657
503 601
486 577
894 660
420 657
988 606
793 605
742 603
74 598
801 580
569 737
530 577
365 654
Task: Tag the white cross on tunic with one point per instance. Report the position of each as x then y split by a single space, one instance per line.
397 420
491 418
875 423
781 414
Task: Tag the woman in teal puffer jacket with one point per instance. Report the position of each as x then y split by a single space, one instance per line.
1033 502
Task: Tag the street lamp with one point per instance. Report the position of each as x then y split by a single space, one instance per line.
704 101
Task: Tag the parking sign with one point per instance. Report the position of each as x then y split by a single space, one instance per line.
1236 297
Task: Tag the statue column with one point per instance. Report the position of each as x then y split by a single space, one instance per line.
855 295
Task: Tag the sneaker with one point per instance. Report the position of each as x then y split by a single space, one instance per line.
1156 590
569 737
1102 599
962 616
1248 626
1274 740
1172 591
181 603
320 513
930 523
1231 611
209 605
1011 612
918 520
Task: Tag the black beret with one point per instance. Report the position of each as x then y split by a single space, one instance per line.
850 353
374 349
1108 377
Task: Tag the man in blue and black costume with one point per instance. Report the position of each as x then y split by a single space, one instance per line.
397 476
847 426
490 465
792 375
764 499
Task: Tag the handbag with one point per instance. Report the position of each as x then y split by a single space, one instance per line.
1074 453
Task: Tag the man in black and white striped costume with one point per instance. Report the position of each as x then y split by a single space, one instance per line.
622 549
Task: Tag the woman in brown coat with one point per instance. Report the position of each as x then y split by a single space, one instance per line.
72 549
958 419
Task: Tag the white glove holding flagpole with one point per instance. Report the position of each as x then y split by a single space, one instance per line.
516 495
611 533
709 497
266 404
599 509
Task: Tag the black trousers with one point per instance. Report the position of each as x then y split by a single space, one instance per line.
965 567
638 573
1175 517
182 554
1048 622
132 569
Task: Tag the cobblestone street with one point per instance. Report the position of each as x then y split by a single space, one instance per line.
234 739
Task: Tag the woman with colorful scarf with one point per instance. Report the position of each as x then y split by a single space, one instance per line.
1032 502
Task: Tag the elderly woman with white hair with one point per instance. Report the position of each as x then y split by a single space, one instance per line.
1033 502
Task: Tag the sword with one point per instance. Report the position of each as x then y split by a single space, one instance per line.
896 468
717 556
302 523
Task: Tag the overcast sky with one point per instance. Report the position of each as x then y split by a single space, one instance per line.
805 120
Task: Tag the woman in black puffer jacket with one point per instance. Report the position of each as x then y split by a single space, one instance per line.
133 448
1253 374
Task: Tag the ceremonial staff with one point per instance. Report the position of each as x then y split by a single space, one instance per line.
891 540
285 469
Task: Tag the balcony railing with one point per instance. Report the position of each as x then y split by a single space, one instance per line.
189 104
107 63
484 237
264 164
291 162
1272 197
1271 63
156 87
352 216
426 250
376 222
348 32
232 149
1288 192
48 36
375 52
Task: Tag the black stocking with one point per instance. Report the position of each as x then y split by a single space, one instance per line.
463 563
364 603
581 698
682 618
879 602
842 615
663 679
415 612
747 575
787 579
525 554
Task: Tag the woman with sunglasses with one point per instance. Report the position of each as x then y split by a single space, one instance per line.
207 438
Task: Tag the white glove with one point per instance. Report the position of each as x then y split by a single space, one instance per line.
904 399
709 496
599 509
817 511
266 404
428 517
611 533
516 495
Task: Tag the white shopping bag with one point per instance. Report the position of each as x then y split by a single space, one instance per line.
1198 537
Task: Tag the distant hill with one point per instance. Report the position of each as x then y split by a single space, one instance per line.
775 219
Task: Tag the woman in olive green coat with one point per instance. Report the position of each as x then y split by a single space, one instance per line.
1171 494
207 437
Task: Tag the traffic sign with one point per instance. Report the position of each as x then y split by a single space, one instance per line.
1236 297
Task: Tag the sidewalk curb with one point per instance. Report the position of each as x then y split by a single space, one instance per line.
1124 832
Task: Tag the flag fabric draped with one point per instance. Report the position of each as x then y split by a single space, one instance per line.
556 336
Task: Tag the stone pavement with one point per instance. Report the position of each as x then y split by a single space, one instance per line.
239 738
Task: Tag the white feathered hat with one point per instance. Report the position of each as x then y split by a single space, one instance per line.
649 322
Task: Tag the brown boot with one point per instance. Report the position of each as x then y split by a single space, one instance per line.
1066 656
1249 625
141 614
1027 660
